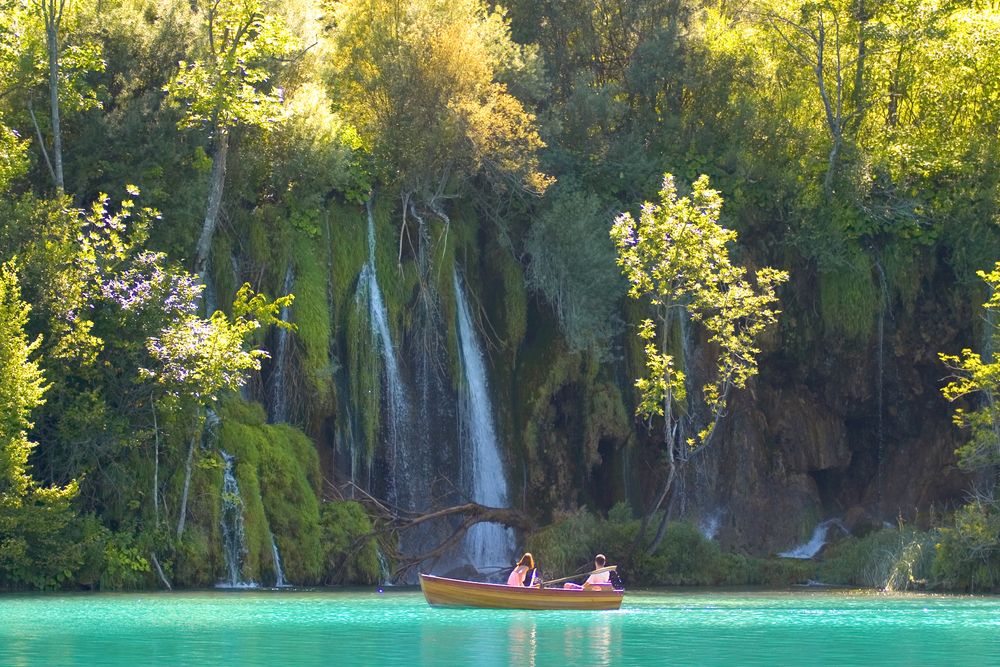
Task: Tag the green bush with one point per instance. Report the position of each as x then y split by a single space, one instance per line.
684 558
968 553
890 559
350 554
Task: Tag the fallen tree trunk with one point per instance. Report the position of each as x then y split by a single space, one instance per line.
391 521
473 513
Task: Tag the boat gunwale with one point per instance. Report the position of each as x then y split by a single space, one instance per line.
447 592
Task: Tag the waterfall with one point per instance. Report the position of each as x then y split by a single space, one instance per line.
709 525
396 401
385 577
816 542
279 374
880 387
486 543
279 572
234 543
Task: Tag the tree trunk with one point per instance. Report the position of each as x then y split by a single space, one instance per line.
859 72
52 38
156 465
218 182
187 485
661 529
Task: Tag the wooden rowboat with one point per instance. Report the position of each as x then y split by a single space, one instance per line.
441 591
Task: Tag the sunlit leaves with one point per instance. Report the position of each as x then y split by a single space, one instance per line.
199 358
973 375
677 256
29 514
423 82
228 85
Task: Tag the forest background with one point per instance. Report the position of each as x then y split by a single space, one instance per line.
424 150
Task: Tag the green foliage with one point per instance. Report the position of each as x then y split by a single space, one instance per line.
890 559
350 553
849 300
973 375
421 84
125 566
968 554
226 88
685 558
35 547
199 358
571 265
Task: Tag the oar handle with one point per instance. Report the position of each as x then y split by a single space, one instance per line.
582 574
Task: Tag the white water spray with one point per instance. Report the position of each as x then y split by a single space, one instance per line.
486 543
396 401
234 543
817 541
279 571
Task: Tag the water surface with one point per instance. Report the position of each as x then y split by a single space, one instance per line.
398 628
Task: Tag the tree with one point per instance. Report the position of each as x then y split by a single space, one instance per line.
229 88
819 35
973 540
63 69
425 83
199 358
677 256
974 375
31 517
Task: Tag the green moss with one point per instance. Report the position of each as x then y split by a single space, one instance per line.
277 469
905 266
348 251
311 315
350 554
849 299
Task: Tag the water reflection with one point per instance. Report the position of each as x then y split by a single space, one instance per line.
522 641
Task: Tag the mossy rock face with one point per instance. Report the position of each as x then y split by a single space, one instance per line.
849 299
277 470
312 318
348 556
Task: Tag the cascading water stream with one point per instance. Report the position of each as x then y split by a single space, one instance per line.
279 571
396 402
487 544
234 546
817 541
880 387
279 376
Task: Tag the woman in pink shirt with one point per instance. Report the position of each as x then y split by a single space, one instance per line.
523 573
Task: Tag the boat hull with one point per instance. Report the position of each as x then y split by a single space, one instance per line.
444 592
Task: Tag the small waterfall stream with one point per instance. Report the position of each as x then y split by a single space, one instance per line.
279 571
487 544
396 401
234 544
279 374
817 541
880 387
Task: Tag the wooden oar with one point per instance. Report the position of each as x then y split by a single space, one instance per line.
582 574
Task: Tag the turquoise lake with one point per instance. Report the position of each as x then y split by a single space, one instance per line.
398 628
